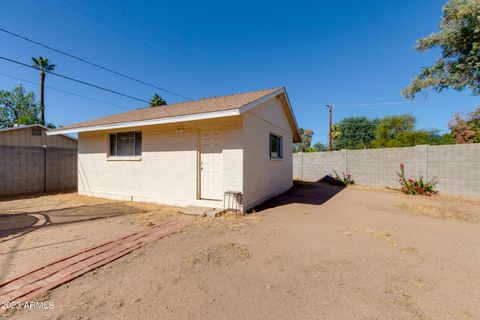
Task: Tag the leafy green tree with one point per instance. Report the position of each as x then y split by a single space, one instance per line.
474 123
305 146
319 147
44 66
418 137
459 40
17 107
51 125
387 132
446 138
157 101
354 133
335 132
388 128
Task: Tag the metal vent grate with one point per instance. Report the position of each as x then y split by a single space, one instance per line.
36 131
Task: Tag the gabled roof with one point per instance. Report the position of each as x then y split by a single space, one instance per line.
207 108
47 129
24 127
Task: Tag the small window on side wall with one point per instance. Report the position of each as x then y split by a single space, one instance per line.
276 146
126 144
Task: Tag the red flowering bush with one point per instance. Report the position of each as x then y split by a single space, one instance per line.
415 186
346 179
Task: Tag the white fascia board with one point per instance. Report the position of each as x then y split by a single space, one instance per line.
258 102
150 122
291 110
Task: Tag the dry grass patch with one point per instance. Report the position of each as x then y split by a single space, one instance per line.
433 211
222 254
409 249
229 219
350 231
153 214
385 235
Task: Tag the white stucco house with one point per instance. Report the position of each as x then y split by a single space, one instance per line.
190 153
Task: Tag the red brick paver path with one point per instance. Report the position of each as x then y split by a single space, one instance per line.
33 283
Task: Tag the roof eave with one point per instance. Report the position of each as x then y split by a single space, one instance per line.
192 117
141 123
286 101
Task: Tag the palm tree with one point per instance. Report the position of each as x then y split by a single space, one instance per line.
335 132
157 101
44 66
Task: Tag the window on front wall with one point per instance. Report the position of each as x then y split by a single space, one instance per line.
126 144
276 147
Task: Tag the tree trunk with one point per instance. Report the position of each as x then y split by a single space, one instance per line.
42 101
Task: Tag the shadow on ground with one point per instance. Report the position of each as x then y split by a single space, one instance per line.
314 193
17 224
34 195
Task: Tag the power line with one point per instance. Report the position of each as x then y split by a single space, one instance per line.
140 22
86 12
380 104
64 91
76 80
377 124
93 63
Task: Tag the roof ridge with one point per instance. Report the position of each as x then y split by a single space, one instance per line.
210 104
213 97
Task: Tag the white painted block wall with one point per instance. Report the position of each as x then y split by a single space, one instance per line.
264 177
167 172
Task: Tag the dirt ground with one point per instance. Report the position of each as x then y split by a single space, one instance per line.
39 229
317 252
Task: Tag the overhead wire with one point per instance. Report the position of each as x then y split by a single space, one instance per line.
93 64
383 104
88 13
64 91
76 80
189 52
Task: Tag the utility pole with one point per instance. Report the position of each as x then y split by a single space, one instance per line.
329 106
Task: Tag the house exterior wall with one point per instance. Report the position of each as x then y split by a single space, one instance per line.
167 172
264 177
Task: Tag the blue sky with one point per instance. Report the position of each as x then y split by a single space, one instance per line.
355 53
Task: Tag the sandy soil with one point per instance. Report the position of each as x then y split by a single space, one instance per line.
318 252
37 230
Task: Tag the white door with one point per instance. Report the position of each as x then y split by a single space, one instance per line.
210 165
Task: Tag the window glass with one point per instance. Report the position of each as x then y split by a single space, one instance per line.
276 147
138 143
125 141
113 144
126 144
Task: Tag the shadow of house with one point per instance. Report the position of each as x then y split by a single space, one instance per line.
11 224
313 193
33 195
18 224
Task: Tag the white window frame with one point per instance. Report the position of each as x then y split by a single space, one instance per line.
124 157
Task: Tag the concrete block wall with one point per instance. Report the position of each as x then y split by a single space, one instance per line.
457 167
22 169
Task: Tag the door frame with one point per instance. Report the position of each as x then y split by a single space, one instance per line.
199 161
